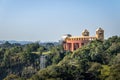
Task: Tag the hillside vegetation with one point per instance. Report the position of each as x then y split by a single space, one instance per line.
99 60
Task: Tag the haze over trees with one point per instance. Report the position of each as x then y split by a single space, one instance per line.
99 60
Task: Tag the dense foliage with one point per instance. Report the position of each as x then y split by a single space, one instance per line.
99 60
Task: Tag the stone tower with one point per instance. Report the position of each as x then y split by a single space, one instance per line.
85 33
100 34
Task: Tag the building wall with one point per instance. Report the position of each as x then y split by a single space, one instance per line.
72 43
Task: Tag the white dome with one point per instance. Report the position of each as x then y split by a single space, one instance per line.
65 36
99 29
85 30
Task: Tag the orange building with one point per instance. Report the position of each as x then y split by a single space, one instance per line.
72 43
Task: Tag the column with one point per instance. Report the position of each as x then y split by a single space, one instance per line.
66 47
72 46
79 44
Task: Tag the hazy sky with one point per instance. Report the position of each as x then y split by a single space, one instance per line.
48 20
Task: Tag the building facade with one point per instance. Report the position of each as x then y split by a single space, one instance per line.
72 43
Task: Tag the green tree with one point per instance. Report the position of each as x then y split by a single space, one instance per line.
35 77
26 57
41 49
12 77
31 47
114 72
6 59
28 72
116 59
95 69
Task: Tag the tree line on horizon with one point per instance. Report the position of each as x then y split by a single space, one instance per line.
98 60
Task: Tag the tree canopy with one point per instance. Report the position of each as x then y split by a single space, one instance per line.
98 60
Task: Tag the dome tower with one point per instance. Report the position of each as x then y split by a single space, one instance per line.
85 32
100 34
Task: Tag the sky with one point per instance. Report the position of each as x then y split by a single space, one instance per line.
48 20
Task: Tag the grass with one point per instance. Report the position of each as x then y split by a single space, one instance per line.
44 53
48 52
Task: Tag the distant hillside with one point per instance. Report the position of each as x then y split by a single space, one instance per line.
27 42
13 41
